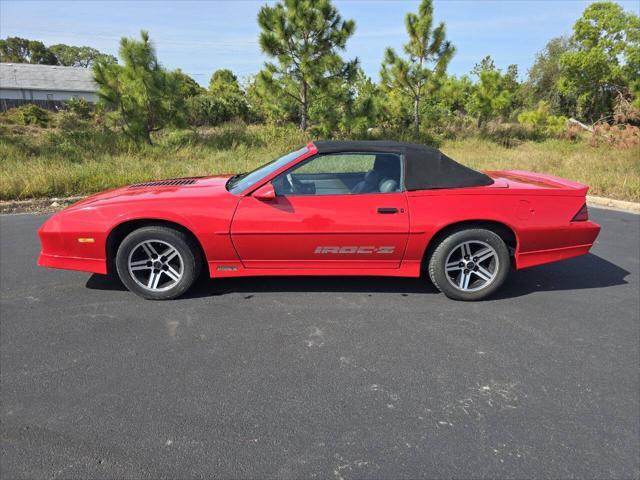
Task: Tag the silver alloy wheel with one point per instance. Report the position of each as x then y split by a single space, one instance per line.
472 266
155 265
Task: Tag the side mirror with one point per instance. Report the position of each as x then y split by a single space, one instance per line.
265 193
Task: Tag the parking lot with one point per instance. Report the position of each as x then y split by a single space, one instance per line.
322 378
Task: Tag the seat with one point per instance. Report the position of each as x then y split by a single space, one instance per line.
388 166
384 177
369 184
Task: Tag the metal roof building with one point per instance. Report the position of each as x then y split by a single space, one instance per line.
23 82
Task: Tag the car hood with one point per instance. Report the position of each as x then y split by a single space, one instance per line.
174 188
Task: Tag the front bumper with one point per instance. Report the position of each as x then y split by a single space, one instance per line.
62 248
93 265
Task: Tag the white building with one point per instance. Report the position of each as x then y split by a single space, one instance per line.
23 83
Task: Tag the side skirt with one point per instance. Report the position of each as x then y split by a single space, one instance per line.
236 269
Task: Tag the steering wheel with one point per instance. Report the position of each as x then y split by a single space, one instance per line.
295 184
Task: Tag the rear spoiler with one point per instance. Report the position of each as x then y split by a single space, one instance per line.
544 181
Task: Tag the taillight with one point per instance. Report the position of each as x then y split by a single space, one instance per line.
582 215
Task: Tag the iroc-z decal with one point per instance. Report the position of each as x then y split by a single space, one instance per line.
351 250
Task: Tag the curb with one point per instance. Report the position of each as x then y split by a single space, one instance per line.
39 205
633 207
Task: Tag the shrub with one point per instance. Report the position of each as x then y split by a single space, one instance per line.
181 138
81 107
572 132
68 120
210 110
508 135
87 143
231 135
542 121
30 114
457 126
618 136
626 111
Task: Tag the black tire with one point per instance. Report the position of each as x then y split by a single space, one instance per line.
188 258
451 284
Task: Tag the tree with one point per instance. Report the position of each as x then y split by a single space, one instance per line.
224 82
145 96
507 82
486 64
71 56
22 50
304 36
513 85
363 107
346 108
223 101
426 47
544 74
604 60
493 95
188 86
448 103
455 93
270 103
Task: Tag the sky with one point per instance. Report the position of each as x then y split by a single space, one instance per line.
202 36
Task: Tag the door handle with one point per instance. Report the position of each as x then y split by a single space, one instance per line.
386 210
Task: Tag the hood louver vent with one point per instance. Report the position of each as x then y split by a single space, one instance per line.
165 183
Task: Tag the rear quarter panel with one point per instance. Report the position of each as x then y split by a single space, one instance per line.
540 222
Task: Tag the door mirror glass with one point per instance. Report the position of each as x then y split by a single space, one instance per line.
265 192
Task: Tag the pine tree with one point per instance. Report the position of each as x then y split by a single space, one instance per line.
145 96
428 54
304 37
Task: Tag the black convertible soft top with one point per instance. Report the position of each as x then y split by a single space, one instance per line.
425 167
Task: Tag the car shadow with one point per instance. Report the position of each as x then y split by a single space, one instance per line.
105 282
206 287
585 272
589 271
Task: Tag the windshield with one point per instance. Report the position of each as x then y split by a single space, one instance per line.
241 182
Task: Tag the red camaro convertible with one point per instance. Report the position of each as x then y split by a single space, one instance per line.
330 208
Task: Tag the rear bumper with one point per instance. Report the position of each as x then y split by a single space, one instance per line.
531 259
578 241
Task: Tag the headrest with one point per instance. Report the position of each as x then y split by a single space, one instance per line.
388 185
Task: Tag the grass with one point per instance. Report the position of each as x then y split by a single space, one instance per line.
609 172
47 164
37 162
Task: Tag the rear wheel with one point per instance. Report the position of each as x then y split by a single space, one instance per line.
158 263
470 264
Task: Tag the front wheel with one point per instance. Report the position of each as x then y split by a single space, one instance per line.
158 263
469 264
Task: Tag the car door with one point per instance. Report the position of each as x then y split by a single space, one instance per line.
346 211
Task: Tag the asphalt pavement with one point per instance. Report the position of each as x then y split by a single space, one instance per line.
322 377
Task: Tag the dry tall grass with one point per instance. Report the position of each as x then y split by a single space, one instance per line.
608 171
44 163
